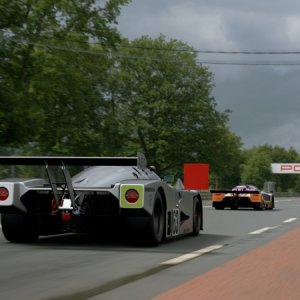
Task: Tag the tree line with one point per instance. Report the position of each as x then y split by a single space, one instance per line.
70 84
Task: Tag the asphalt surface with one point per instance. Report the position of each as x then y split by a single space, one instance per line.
87 267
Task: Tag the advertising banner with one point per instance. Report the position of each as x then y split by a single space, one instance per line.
196 176
285 168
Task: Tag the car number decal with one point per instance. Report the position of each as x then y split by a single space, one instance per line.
176 222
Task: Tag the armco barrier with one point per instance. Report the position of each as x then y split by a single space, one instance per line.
286 194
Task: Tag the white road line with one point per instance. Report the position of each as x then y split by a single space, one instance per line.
182 258
290 220
259 231
289 200
208 249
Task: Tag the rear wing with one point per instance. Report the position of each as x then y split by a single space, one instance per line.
234 192
139 161
50 161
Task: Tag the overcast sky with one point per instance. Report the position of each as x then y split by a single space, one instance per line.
264 100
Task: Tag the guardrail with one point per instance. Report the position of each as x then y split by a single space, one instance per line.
286 194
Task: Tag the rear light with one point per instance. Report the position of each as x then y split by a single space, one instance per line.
66 216
255 197
3 193
132 196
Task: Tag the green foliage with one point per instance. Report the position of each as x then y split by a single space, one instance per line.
166 108
226 161
49 102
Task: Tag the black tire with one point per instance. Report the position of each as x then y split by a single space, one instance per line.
157 222
273 203
148 231
257 206
19 228
197 217
219 206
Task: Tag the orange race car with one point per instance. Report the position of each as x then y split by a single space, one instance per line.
242 196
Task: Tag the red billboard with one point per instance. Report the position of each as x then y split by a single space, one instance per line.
196 176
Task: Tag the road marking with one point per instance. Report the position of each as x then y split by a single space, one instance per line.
289 200
259 231
290 220
182 258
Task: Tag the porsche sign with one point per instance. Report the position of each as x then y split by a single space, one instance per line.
285 168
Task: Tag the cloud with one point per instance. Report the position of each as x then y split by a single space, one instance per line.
264 104
264 100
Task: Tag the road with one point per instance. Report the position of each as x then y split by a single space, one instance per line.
85 267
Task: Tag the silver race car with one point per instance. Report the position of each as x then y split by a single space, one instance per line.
108 192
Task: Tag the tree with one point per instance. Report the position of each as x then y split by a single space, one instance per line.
165 105
225 165
49 100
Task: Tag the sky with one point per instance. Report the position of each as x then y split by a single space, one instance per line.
264 99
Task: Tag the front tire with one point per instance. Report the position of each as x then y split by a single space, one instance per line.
19 228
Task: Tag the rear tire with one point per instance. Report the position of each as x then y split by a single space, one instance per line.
157 222
273 203
197 216
257 206
19 228
148 231
219 206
